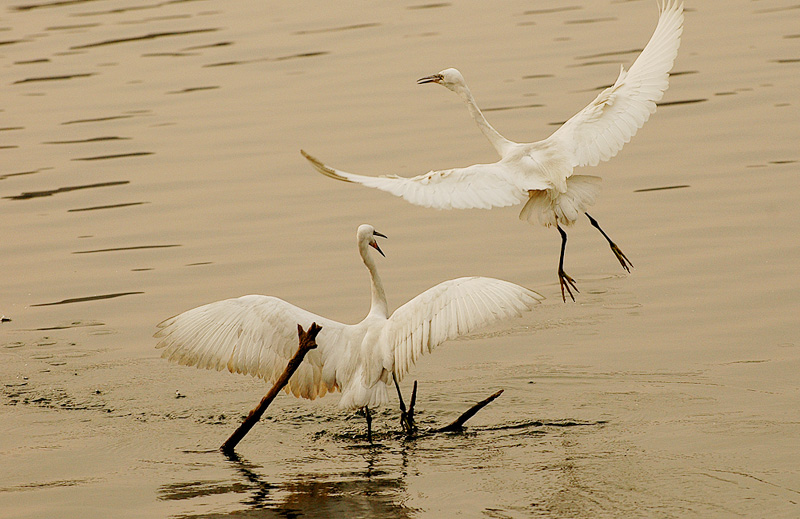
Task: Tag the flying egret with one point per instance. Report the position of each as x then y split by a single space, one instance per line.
257 335
541 173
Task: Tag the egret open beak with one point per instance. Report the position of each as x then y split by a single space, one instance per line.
436 78
374 244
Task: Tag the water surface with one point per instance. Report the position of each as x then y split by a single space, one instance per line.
150 163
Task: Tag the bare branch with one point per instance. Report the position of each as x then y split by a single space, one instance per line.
307 342
458 424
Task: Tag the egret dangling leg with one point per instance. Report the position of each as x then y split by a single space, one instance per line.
563 278
369 423
623 260
593 135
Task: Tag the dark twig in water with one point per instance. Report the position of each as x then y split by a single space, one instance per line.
307 342
407 416
458 424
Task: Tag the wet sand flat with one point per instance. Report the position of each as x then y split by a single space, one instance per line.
149 163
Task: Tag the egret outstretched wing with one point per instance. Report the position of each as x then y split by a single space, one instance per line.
448 310
599 131
541 173
480 186
255 335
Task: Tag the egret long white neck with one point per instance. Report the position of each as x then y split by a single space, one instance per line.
378 306
500 143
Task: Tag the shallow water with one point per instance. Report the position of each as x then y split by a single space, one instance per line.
150 163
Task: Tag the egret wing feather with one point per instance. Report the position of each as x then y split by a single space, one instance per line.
599 131
254 335
446 311
480 186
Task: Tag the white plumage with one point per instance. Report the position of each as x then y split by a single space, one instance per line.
541 173
257 335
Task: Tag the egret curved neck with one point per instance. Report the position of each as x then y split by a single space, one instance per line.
500 143
378 305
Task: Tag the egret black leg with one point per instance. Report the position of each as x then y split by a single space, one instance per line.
369 423
623 260
406 416
563 278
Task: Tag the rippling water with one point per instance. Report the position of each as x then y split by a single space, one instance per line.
149 163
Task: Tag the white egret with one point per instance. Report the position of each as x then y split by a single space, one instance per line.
541 173
257 335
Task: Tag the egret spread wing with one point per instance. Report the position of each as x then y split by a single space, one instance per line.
481 186
599 131
255 335
446 311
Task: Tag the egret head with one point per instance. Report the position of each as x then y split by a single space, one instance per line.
449 77
366 234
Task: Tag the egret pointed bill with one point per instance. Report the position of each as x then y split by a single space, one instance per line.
374 244
436 78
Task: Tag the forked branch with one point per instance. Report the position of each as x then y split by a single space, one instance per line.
307 343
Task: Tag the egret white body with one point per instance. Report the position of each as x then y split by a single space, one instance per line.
540 174
257 335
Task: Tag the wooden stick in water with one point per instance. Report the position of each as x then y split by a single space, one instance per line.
458 424
307 343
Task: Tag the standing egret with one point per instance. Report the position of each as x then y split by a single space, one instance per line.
541 173
257 335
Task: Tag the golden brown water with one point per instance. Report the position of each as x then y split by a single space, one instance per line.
150 163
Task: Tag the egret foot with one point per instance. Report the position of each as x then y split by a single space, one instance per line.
566 282
563 279
621 257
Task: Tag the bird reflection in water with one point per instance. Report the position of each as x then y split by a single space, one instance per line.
370 492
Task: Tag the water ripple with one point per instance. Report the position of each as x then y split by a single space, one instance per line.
429 6
38 194
144 37
21 173
53 78
91 139
117 156
681 102
56 3
98 119
337 29
660 188
100 207
515 107
193 89
85 299
135 247
554 10
591 20
279 58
